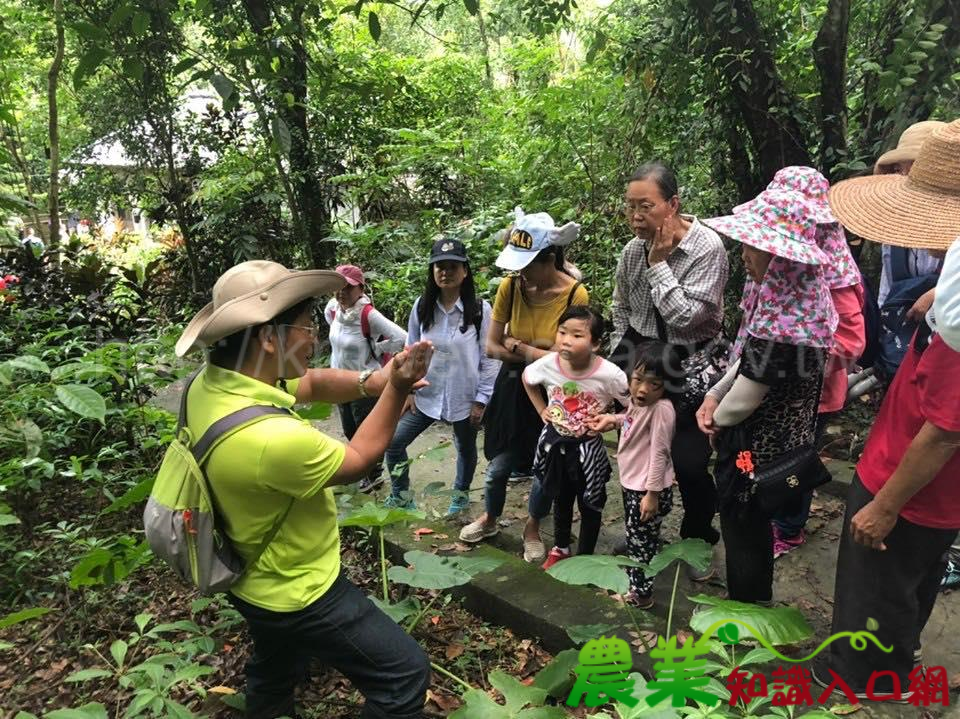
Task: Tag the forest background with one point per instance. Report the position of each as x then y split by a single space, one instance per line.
350 132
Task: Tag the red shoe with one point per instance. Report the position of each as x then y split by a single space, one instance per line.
556 554
782 545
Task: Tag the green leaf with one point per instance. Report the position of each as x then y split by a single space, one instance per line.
373 25
778 625
119 651
85 675
907 81
557 677
438 453
84 370
477 704
474 565
872 624
428 571
91 31
472 6
374 515
4 646
82 400
132 496
642 710
88 64
133 68
23 615
281 134
580 633
223 85
8 519
938 27
32 437
759 655
86 572
695 552
87 711
29 363
142 620
926 44
141 21
120 16
516 695
399 611
316 411
184 65
599 570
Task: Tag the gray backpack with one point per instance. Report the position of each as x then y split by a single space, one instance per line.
181 521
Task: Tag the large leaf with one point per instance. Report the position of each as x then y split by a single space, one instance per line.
642 710
141 21
428 571
32 437
222 85
479 705
82 400
474 565
580 633
90 31
599 570
22 616
8 519
399 611
85 675
30 363
134 495
281 134
88 64
375 515
778 625
373 25
695 552
87 711
557 677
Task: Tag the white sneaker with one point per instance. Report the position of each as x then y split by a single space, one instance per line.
477 531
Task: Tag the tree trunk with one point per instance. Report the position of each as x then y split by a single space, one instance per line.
486 46
830 57
29 194
53 79
743 58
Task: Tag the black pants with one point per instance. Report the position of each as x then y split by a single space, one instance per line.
690 452
569 493
352 415
643 538
897 587
344 630
748 540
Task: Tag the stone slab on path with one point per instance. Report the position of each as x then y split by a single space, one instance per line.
533 604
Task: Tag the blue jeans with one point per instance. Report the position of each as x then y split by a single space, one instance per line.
411 426
495 488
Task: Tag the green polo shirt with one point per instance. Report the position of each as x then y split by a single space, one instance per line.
255 473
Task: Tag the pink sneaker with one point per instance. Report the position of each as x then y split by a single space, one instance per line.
556 554
782 545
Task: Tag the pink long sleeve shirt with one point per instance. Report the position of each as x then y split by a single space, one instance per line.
644 451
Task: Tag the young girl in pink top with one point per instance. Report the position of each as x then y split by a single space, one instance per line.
646 470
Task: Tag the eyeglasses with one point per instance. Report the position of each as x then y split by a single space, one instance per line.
632 208
310 330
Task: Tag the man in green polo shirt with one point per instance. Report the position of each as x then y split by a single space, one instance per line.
259 336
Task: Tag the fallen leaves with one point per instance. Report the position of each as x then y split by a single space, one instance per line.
643 641
453 651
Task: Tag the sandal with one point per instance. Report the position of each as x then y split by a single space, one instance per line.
477 531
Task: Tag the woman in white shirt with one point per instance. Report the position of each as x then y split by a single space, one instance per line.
461 376
359 337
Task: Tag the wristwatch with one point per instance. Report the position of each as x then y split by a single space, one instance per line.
362 382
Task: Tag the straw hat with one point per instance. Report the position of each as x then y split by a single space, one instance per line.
909 144
249 294
921 209
776 221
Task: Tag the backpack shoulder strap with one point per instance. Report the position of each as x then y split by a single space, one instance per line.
182 416
478 319
573 291
223 426
365 320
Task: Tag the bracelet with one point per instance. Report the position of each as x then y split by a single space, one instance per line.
362 382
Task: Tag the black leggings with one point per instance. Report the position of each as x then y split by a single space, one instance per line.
571 492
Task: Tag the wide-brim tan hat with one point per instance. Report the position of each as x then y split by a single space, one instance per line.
250 294
919 210
909 144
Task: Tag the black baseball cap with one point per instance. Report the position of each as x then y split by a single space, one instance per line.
447 249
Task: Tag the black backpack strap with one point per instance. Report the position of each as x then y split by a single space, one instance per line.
478 320
182 417
573 291
899 263
219 429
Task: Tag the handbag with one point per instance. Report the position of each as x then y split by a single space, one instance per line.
787 477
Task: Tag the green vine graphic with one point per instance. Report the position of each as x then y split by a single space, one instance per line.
727 632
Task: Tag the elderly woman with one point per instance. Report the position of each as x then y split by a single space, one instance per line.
531 303
461 376
669 287
273 480
842 276
765 408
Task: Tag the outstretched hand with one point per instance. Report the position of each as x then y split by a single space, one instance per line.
408 368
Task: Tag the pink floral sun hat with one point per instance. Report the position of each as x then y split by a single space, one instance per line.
776 221
841 269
